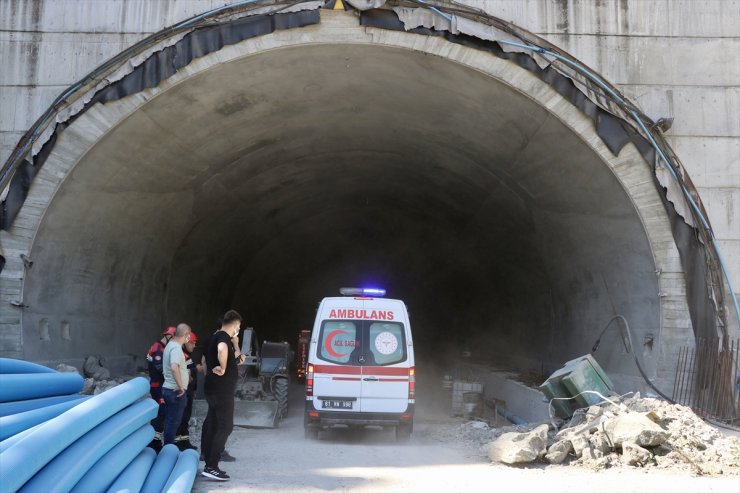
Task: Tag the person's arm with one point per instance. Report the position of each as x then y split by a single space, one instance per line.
175 367
237 353
223 358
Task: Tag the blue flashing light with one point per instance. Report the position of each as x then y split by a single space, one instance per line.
376 292
373 291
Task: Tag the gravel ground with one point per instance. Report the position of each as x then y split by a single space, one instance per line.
444 454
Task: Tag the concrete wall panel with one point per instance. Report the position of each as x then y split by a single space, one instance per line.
98 16
670 18
22 105
656 60
712 162
698 111
56 58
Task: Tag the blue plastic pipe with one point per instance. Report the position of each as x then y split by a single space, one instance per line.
511 417
66 469
182 476
8 442
161 470
16 423
26 457
15 407
105 471
8 365
21 386
132 478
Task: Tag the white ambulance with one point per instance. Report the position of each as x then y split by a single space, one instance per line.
360 364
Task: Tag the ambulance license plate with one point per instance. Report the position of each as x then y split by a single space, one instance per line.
336 404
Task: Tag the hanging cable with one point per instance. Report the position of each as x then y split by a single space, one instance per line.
625 330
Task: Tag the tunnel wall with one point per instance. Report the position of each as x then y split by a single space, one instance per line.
673 279
674 59
629 167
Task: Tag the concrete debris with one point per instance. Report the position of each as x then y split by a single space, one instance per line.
636 428
633 432
88 386
93 367
601 444
516 448
558 451
103 385
61 367
580 443
634 455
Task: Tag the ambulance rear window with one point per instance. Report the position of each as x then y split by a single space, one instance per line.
337 340
387 342
362 342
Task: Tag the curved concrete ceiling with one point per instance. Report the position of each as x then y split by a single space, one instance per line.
268 182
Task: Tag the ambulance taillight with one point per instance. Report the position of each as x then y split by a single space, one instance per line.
412 383
309 380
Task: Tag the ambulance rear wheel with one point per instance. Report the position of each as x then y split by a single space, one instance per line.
403 432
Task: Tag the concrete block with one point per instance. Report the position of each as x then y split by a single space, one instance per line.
524 402
8 141
669 18
36 59
21 106
11 342
99 16
698 111
459 388
710 161
723 208
656 60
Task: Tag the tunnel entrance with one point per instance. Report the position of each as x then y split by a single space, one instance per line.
266 178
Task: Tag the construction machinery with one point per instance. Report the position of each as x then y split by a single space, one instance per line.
262 389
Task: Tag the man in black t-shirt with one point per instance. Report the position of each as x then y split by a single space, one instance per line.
220 384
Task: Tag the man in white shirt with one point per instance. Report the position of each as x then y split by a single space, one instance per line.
175 384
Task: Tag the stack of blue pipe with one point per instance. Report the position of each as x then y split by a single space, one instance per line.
52 439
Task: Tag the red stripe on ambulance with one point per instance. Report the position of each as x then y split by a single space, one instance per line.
361 370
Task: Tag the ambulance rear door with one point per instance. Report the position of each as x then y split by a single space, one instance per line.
337 382
385 370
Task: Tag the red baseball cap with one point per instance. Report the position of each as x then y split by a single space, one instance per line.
193 337
171 331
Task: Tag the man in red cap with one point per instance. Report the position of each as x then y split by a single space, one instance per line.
192 353
156 379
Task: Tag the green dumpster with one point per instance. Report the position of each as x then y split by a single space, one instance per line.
570 382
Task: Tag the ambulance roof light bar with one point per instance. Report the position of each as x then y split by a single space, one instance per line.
362 292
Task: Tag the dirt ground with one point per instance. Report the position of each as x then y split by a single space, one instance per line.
441 456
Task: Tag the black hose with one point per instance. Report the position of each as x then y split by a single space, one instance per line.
628 346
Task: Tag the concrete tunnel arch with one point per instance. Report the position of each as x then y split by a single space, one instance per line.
264 175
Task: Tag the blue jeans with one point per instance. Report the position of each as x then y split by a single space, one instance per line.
173 409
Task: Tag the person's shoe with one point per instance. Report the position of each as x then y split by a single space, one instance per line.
227 457
185 445
215 473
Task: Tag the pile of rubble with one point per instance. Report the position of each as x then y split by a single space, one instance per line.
636 432
97 378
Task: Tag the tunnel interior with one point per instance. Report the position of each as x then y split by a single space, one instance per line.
266 183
